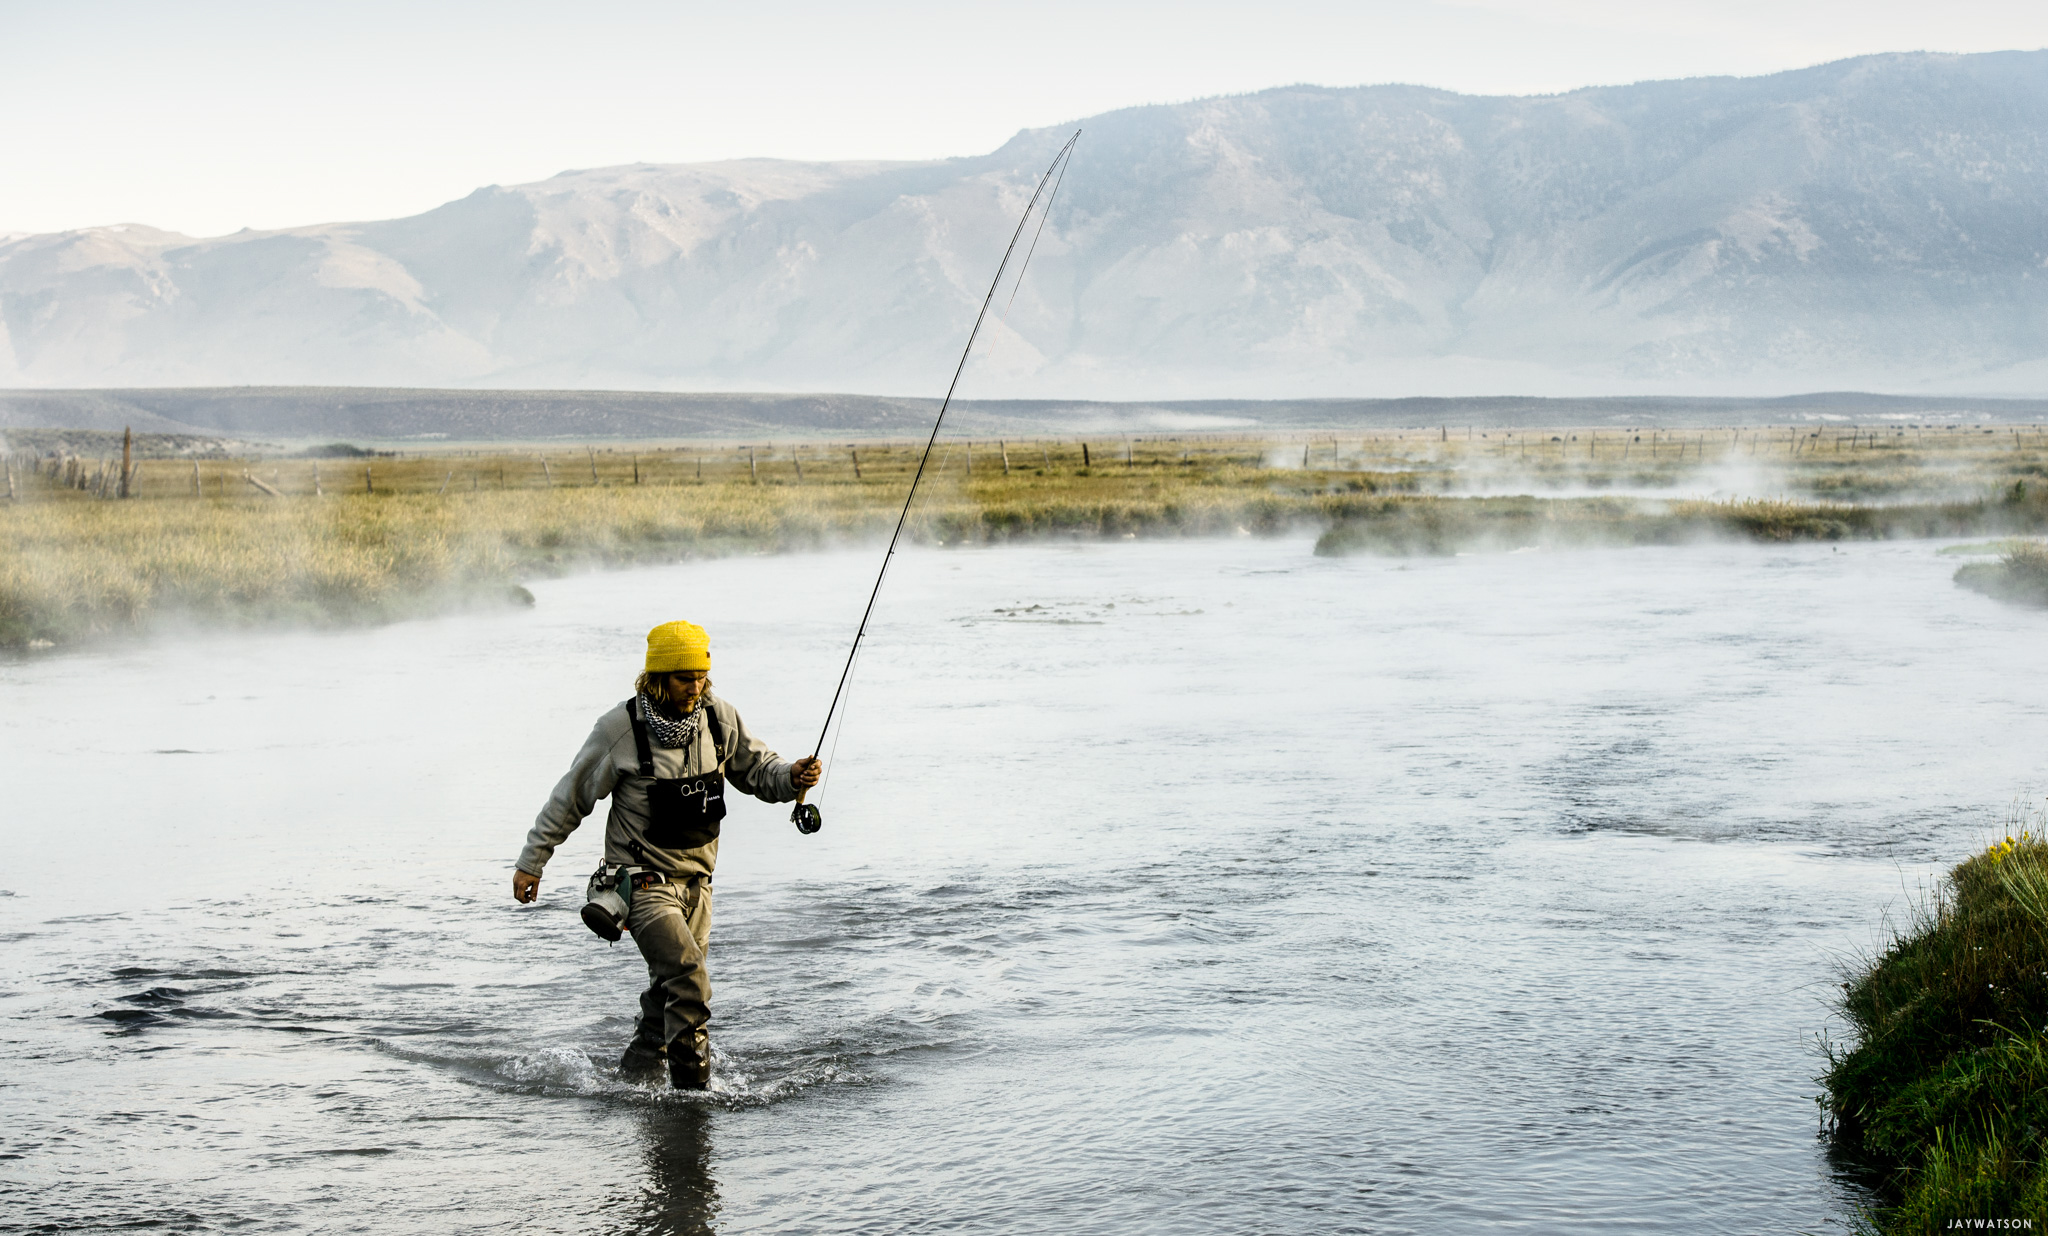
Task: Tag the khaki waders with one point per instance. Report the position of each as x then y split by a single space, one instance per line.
666 812
672 925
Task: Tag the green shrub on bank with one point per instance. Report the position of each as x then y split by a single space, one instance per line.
1944 1095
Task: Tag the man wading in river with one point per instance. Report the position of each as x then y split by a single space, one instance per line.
665 757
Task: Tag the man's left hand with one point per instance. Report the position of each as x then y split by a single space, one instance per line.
805 772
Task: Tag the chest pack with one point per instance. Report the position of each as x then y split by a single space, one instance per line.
682 812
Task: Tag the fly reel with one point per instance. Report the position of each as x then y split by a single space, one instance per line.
806 819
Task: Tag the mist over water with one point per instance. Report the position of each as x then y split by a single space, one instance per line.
1164 886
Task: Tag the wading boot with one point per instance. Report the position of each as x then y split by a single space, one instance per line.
644 1064
689 1062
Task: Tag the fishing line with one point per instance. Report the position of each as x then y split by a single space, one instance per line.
832 759
806 815
1043 215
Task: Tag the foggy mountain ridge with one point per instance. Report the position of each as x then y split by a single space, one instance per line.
1871 223
396 416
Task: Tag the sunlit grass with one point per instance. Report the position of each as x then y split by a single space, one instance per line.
369 539
404 540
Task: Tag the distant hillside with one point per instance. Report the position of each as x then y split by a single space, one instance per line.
1874 223
395 415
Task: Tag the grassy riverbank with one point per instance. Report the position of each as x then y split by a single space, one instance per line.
373 537
1943 1095
1436 526
2020 575
401 539
82 569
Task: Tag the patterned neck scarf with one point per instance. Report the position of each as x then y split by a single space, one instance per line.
664 726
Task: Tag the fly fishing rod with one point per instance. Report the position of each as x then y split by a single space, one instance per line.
805 815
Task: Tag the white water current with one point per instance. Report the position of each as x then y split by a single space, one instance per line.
1168 887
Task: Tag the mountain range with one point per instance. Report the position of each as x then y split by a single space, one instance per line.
1874 223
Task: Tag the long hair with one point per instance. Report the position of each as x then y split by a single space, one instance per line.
655 687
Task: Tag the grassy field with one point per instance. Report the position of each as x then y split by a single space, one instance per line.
1942 1094
353 538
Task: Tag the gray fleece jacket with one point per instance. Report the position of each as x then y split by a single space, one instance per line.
609 764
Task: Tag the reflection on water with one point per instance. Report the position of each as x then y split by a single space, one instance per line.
1163 887
681 1197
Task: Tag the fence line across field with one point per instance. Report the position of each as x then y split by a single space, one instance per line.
880 464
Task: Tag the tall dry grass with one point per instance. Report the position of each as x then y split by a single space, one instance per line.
72 568
75 569
367 539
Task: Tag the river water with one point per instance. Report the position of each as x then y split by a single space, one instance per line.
1164 887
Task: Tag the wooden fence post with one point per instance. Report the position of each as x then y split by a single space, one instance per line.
127 456
856 461
369 485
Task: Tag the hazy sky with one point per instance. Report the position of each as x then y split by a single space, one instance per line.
205 117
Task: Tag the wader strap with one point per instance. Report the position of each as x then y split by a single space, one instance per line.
640 737
717 733
647 754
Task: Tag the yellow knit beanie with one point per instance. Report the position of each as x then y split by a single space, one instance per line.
676 646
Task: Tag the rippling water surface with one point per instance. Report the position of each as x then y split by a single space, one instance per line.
1165 887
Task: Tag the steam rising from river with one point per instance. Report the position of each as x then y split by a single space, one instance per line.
1188 886
1803 463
